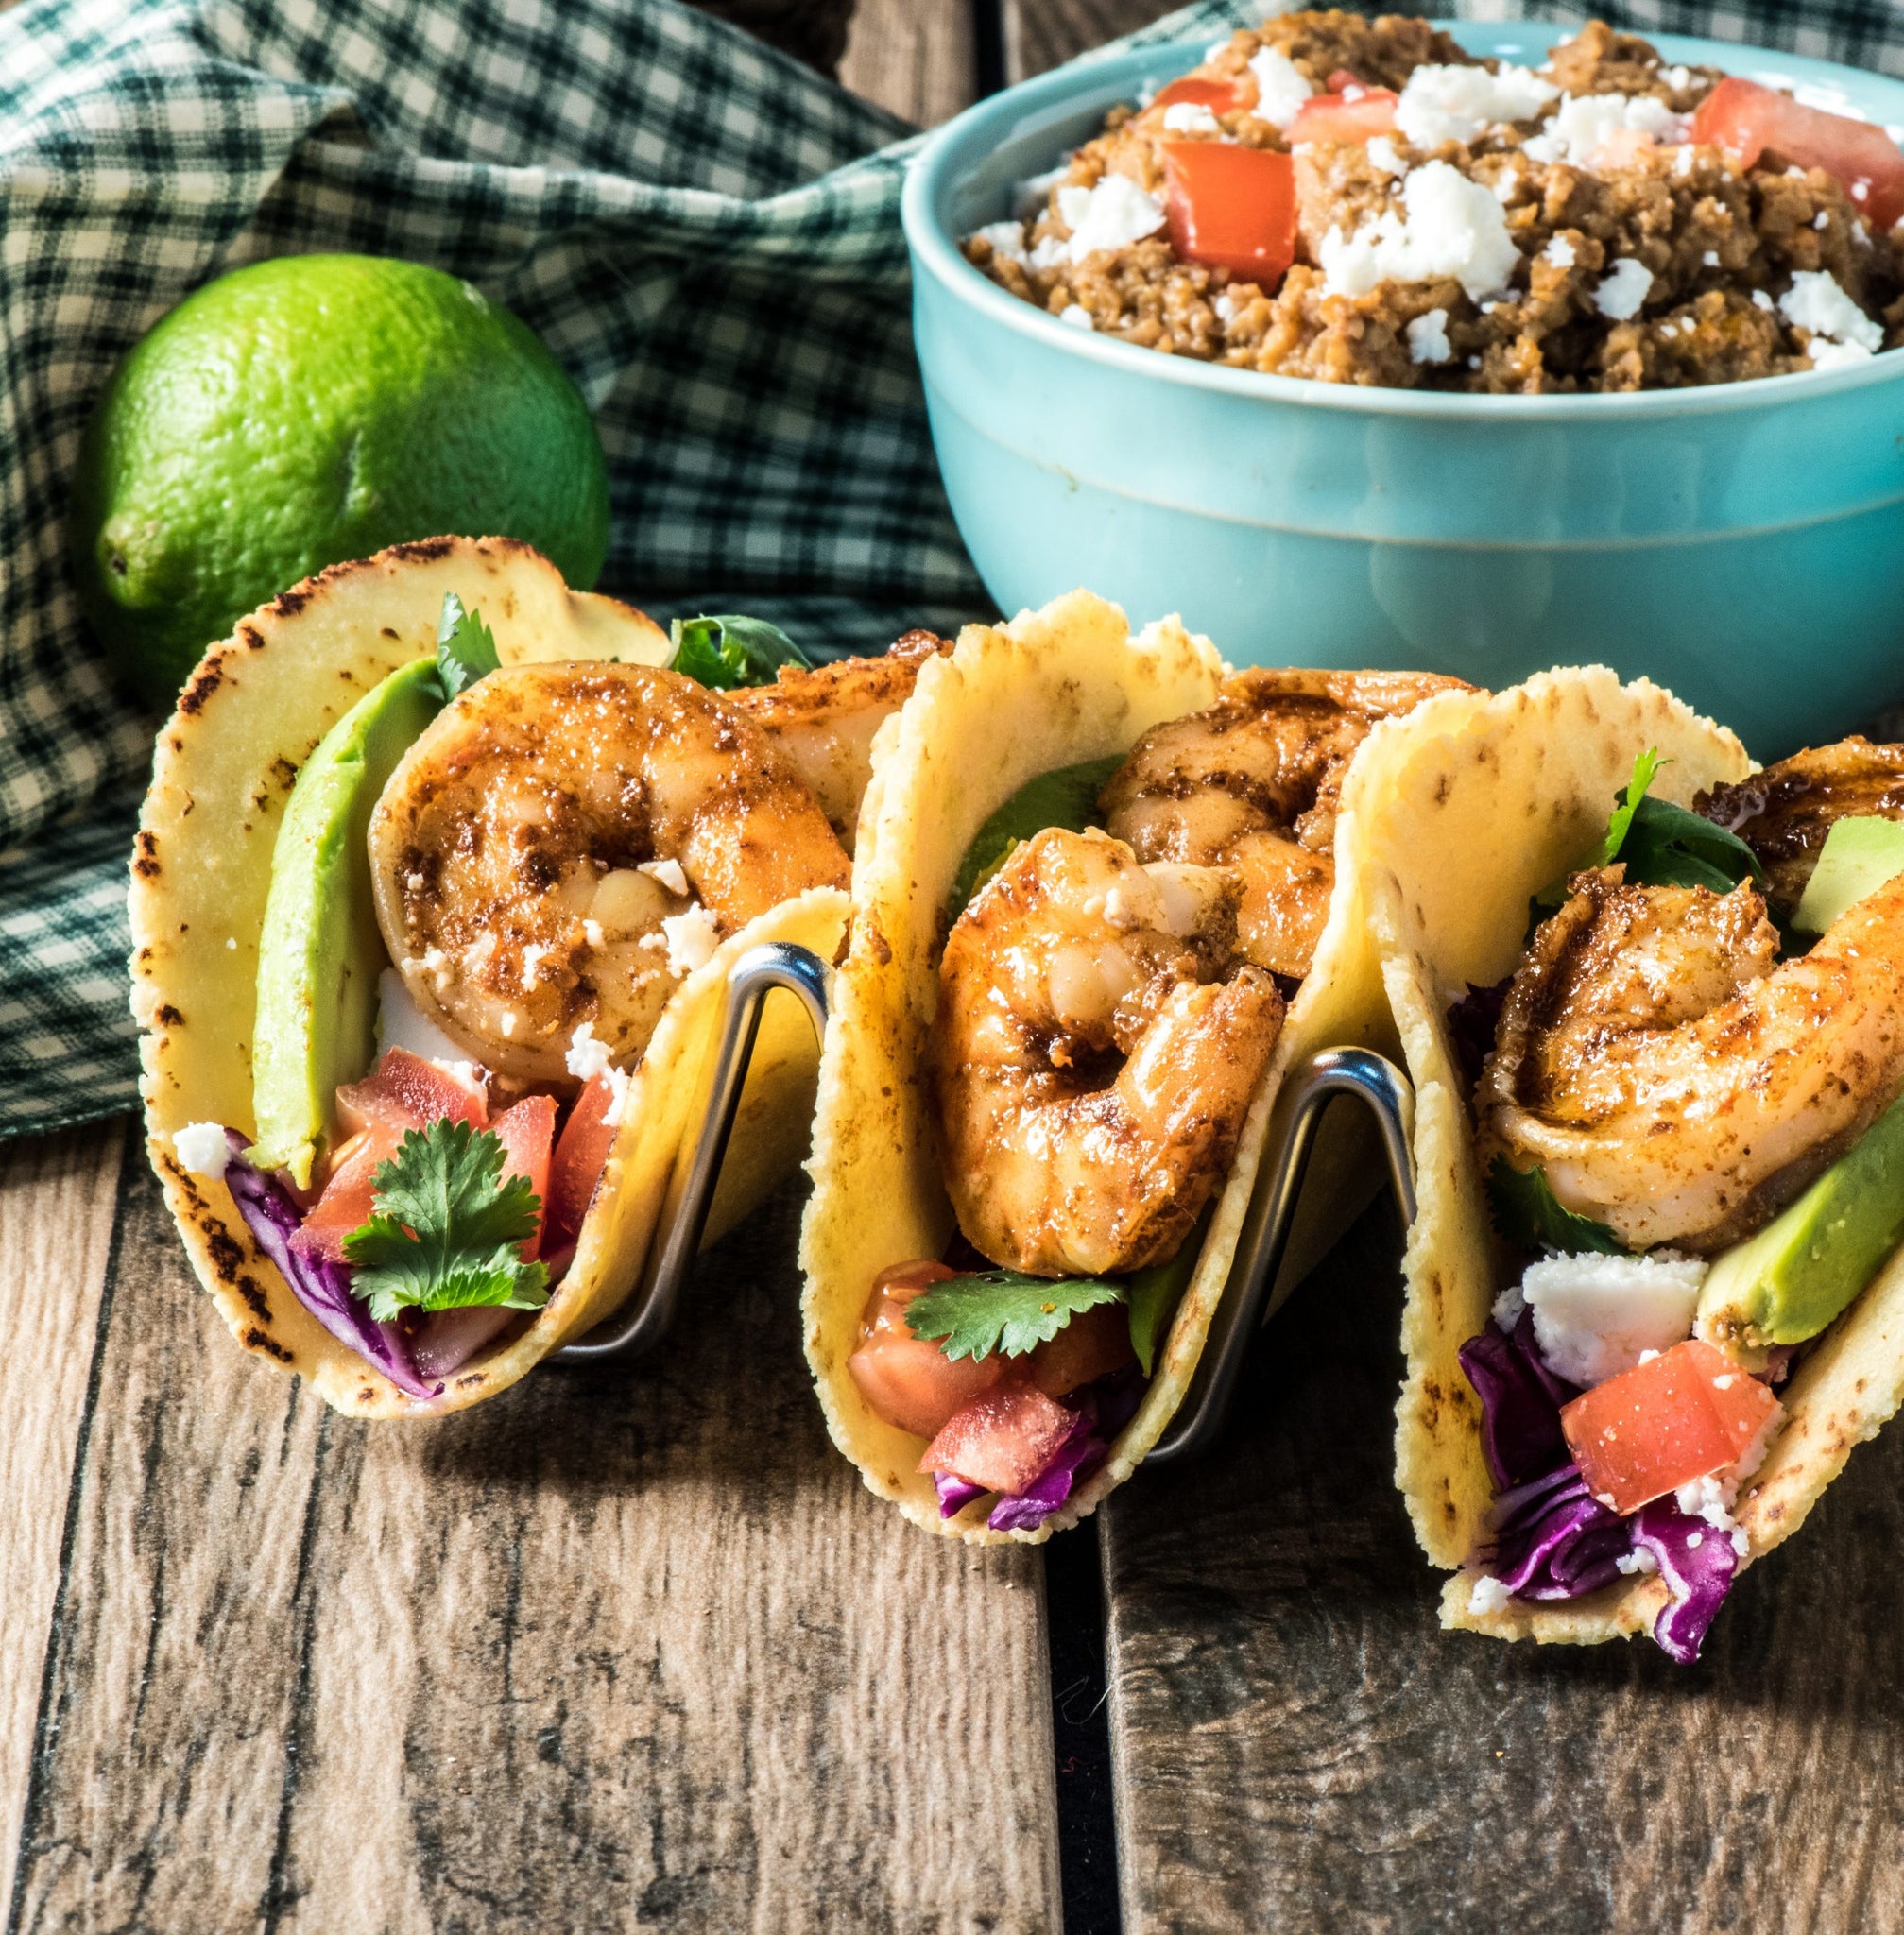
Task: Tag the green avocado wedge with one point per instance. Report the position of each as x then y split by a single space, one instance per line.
1803 1268
1861 853
320 952
1066 796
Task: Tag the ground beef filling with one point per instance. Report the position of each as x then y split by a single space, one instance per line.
1718 247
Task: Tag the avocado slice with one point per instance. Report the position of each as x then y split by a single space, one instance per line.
320 952
1861 853
1066 796
1803 1268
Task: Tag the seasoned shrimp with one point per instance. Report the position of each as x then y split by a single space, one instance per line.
822 722
566 842
1675 1080
1254 782
1093 1055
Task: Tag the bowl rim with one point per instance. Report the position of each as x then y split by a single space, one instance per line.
935 252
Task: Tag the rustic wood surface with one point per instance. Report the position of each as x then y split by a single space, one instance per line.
1298 1746
626 1648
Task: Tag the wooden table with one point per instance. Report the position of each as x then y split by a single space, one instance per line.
632 1648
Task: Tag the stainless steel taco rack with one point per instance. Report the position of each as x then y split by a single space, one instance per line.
643 1320
1357 1073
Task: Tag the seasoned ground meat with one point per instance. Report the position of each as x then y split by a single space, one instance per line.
1614 252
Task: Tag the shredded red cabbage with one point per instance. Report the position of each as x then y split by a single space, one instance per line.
1083 1450
1552 1539
1472 1023
324 1288
1521 1400
1697 1562
955 1494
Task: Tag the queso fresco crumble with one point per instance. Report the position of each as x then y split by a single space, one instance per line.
1361 201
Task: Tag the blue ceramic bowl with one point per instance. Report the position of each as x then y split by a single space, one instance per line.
1742 544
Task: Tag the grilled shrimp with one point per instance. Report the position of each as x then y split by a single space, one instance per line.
822 722
1674 1078
1784 812
1254 782
1093 1055
565 842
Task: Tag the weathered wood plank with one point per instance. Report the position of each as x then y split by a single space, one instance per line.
56 1196
914 56
1298 1746
625 1648
1042 34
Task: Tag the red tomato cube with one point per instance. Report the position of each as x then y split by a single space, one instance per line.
1746 119
407 1090
1093 1343
1232 208
527 1131
349 1198
1348 116
1219 96
581 1151
909 1380
1001 1440
1679 1417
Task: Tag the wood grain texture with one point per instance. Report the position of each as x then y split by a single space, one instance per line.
912 57
625 1648
1299 1747
1043 34
57 1195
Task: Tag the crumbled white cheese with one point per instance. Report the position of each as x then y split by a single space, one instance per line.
1636 1563
1593 1315
1457 103
1816 302
1622 289
1580 127
1076 314
1711 1498
231 941
1006 239
1450 227
1684 162
1676 77
619 1084
1111 216
1821 221
1428 338
1762 299
1029 197
1281 86
1710 258
1117 910
591 932
533 957
1225 306
508 1023
1384 154
692 939
587 1057
203 1148
1488 1595
400 1023
1191 118
1559 253
1827 355
1049 252
666 873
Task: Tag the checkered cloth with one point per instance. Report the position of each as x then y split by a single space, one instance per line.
705 233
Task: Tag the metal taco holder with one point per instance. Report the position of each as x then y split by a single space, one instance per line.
1305 1093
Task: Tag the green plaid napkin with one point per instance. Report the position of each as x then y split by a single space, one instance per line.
705 233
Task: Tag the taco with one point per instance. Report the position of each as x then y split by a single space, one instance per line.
1652 1003
1096 915
436 889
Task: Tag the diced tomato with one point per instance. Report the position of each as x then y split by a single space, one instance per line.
1746 119
1679 1417
405 1089
1092 1345
1232 208
347 1202
581 1151
1339 117
1343 79
1001 1440
1219 96
909 1380
526 1131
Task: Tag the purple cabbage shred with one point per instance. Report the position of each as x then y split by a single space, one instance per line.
1472 1023
1521 1400
955 1494
272 1216
1083 1450
1697 1563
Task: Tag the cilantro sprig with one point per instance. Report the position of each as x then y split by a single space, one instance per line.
466 648
1004 1310
447 1227
731 651
1527 1212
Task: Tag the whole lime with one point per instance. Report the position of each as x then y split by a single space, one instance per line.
307 410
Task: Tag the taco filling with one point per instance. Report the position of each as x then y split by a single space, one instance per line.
1686 1114
1124 937
490 883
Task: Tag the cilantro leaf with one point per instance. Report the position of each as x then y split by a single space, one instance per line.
731 651
1066 796
1527 1212
1004 1310
447 1227
466 648
1626 803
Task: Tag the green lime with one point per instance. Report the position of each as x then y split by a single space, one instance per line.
304 411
